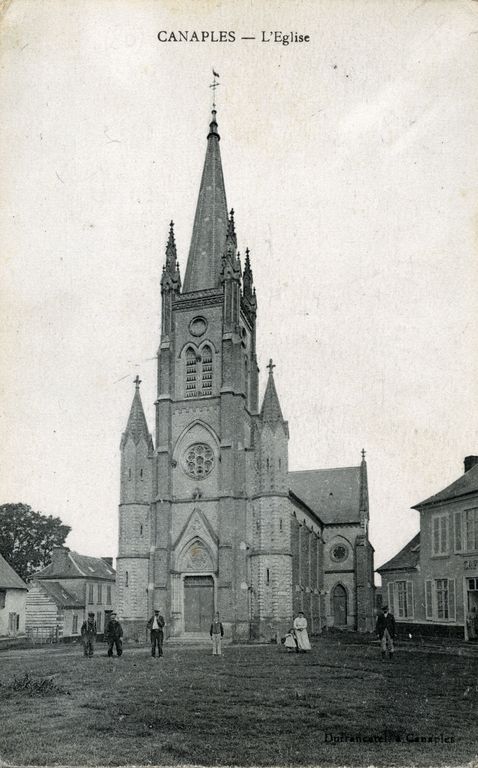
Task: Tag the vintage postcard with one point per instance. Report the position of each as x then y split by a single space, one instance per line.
239 466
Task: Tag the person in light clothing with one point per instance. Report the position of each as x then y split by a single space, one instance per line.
155 626
217 633
290 641
301 634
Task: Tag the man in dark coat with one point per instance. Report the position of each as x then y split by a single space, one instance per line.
155 626
113 635
217 633
385 629
88 635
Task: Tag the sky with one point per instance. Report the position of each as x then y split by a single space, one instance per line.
351 164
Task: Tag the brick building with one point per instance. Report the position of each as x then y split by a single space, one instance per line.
210 516
432 584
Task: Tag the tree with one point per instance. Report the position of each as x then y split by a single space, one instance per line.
27 537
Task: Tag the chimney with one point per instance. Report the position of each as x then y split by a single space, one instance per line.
59 557
470 462
108 560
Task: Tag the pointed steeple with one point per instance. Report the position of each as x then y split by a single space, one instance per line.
248 290
271 411
231 238
171 247
171 277
137 426
364 508
210 222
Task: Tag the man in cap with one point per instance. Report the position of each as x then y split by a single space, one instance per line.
385 629
114 635
155 626
88 635
216 632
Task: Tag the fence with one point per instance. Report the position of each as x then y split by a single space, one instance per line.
40 635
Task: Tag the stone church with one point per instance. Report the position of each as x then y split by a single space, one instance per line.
210 517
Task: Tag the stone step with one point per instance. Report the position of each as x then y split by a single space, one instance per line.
191 638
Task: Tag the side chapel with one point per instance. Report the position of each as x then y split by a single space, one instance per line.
210 517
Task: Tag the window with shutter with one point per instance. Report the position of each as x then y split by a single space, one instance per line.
440 534
410 607
458 519
428 599
191 373
451 599
207 371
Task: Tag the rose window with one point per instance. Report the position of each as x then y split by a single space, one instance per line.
339 553
199 460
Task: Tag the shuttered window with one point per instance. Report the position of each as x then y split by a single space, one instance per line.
428 599
206 369
191 373
440 534
458 520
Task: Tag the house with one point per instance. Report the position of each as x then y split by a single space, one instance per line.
13 592
63 593
432 583
53 613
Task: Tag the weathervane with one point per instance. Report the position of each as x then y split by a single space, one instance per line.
214 85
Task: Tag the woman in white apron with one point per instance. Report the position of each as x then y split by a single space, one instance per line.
302 637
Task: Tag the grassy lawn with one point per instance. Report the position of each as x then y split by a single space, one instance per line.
254 705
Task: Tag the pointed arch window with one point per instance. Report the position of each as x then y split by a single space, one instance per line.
206 365
191 373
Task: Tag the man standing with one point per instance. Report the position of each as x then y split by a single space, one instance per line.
88 635
217 632
385 629
155 626
113 635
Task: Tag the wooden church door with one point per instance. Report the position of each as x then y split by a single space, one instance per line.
198 603
339 601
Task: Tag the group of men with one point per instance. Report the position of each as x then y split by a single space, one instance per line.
155 626
385 629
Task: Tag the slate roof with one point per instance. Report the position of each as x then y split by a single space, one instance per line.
76 566
271 411
9 579
466 484
210 222
61 596
137 426
333 494
406 559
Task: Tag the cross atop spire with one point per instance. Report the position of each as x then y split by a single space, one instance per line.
270 366
214 85
363 454
137 382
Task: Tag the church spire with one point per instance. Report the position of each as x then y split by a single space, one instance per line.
137 426
171 279
271 411
364 508
210 222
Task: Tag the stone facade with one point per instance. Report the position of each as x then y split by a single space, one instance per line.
207 520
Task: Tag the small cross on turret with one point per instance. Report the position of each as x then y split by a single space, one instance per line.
137 381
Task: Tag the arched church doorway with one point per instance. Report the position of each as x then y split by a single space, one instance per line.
198 603
339 606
